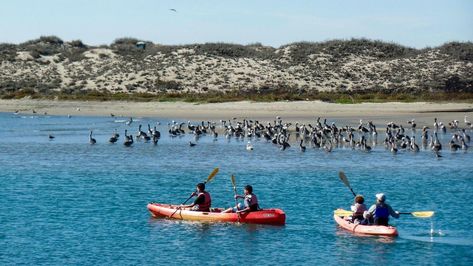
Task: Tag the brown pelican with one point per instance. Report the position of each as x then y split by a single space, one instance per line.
302 147
91 140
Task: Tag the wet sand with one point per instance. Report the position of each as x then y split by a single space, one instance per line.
303 111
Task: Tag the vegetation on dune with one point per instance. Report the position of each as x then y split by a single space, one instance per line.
344 71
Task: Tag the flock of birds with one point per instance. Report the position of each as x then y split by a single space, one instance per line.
319 135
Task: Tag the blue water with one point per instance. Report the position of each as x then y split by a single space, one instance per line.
65 202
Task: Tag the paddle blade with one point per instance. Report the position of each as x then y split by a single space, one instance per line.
342 213
344 178
211 176
423 214
233 181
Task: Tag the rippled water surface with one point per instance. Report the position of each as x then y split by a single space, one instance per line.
67 202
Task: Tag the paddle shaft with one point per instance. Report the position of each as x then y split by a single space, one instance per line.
178 208
354 194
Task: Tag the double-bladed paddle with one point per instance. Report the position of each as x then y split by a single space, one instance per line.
209 178
418 214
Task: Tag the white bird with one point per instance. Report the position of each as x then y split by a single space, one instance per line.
249 147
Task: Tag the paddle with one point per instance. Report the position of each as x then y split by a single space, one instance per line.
234 190
418 214
421 214
344 179
209 178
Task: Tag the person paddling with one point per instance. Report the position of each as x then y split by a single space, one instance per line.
379 213
358 209
203 201
250 201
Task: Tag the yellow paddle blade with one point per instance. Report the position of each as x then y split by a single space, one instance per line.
233 181
423 214
342 212
211 176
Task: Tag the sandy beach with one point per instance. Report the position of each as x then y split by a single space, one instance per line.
290 111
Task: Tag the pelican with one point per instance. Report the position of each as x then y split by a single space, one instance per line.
436 145
128 140
412 123
454 146
302 147
249 147
91 140
464 145
114 137
414 146
466 137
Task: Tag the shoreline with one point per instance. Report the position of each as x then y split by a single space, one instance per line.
301 111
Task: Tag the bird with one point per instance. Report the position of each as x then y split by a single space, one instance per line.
414 146
173 10
128 140
454 146
192 144
302 147
114 137
91 140
249 147
51 137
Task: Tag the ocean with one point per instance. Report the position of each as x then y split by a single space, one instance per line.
66 202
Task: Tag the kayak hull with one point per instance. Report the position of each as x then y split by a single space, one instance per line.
377 230
266 216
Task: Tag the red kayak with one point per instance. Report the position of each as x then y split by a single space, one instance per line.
265 216
379 230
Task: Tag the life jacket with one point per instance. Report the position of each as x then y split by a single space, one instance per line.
358 210
381 211
205 207
251 201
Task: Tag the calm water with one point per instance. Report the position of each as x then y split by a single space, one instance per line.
67 202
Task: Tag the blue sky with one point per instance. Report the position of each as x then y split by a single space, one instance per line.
416 23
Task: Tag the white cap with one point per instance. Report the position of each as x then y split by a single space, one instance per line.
380 197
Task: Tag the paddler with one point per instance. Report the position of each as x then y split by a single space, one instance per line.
203 201
250 201
358 209
379 213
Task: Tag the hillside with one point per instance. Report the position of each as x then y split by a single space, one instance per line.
49 66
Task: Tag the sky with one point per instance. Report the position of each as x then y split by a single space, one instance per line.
414 23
